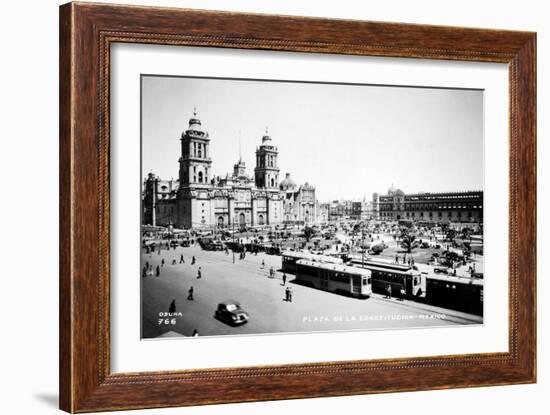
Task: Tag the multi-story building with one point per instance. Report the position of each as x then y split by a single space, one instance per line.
323 212
199 200
347 209
300 205
443 207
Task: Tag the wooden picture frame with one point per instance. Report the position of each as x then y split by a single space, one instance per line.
86 33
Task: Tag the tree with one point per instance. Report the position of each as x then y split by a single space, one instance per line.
466 232
308 232
451 235
407 240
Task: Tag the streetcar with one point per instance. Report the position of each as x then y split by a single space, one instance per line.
340 279
448 291
398 276
289 259
459 293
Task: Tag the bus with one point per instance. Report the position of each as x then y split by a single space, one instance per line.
289 259
341 279
398 276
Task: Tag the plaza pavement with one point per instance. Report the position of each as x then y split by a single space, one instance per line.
263 298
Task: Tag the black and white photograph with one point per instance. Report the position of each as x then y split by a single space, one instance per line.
278 206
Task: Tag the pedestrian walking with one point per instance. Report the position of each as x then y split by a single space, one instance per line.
199 273
174 261
157 273
172 308
388 291
193 260
271 273
162 262
263 263
144 272
396 259
287 294
402 294
284 279
190 293
182 261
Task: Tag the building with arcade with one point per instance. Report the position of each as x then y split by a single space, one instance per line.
445 207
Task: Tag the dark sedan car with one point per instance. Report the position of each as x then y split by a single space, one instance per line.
231 312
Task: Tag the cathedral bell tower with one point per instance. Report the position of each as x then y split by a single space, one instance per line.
195 162
266 173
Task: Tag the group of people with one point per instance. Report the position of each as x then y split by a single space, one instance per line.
149 271
288 294
406 260
389 292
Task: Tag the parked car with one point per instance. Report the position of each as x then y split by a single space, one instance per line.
231 312
440 269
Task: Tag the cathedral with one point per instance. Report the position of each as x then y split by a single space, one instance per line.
198 199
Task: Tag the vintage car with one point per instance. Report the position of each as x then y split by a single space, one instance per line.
440 269
231 312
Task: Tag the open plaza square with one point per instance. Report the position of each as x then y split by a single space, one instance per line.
255 281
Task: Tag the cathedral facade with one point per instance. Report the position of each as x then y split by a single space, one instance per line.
198 199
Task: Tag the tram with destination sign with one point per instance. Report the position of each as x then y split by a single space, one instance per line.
340 279
462 293
398 276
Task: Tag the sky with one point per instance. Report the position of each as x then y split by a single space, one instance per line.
347 140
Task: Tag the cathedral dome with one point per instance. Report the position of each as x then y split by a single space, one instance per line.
287 184
392 191
307 186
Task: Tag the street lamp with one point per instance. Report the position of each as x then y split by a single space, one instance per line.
363 246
